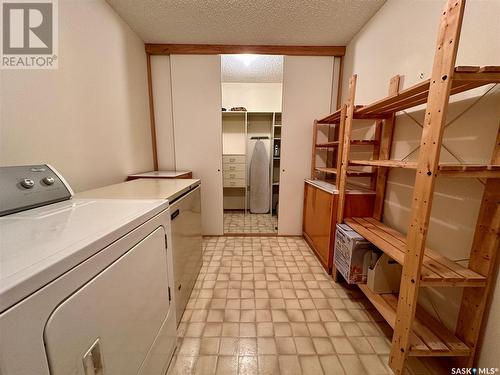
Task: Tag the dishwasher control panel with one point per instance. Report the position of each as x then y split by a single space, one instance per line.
30 186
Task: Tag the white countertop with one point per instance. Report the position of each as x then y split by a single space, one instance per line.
160 174
145 188
39 245
332 189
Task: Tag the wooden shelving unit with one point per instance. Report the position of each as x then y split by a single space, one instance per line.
416 333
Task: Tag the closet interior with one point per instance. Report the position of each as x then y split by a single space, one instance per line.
251 142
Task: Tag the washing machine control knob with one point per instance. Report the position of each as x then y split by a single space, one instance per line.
27 183
48 180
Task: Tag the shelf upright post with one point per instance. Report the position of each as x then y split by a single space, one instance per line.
427 170
385 153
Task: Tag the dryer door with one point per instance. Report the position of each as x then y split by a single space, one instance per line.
109 325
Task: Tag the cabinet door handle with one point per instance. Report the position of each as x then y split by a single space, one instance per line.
174 214
92 360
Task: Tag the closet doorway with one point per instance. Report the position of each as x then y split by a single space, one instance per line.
251 142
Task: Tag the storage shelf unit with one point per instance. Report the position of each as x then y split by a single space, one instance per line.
437 270
428 338
416 333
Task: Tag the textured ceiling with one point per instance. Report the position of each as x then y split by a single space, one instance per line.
252 68
286 22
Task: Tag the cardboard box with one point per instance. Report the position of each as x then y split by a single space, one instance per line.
352 254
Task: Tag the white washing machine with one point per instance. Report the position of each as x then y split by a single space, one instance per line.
85 284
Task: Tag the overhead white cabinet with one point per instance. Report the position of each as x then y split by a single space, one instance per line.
111 322
196 106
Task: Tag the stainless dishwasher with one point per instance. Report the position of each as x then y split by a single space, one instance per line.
185 213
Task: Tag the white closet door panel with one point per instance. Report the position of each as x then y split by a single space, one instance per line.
196 99
307 90
162 99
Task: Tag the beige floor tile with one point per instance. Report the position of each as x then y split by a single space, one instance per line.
212 330
381 345
310 365
317 329
215 316
182 365
248 330
304 345
342 345
266 345
247 365
352 364
296 315
227 365
360 345
190 346
289 365
247 316
263 316
372 364
206 364
282 329
285 345
194 330
299 329
230 329
265 329
247 347
323 345
268 365
331 365
229 346
209 345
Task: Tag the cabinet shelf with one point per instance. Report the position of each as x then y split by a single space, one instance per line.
437 270
448 170
429 337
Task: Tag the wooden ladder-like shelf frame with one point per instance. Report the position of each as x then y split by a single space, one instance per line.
416 333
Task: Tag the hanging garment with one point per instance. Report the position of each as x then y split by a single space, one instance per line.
259 180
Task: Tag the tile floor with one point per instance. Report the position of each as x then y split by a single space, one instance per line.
264 305
238 222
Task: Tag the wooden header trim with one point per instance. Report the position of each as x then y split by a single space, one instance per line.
222 49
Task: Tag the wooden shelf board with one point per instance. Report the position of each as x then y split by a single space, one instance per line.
448 170
429 337
354 142
352 173
437 270
465 78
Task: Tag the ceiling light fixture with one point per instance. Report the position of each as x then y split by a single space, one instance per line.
247 58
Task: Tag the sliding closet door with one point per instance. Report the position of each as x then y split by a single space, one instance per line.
196 103
307 95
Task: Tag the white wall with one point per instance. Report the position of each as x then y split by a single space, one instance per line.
307 89
400 39
89 118
256 97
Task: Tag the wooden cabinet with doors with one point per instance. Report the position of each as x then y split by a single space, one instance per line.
320 215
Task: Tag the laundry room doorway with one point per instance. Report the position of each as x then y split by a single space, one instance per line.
251 142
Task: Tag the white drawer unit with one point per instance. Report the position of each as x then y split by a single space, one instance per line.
233 167
232 175
237 182
233 159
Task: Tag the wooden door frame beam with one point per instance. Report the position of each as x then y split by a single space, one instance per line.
222 49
